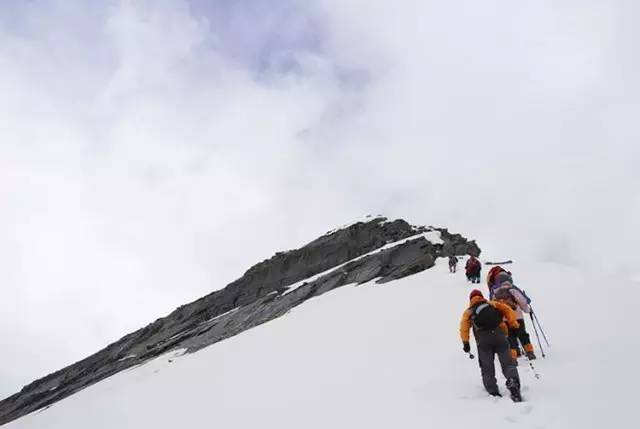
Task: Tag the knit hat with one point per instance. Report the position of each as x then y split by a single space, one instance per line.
475 292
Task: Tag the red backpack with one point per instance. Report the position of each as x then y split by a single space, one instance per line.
472 265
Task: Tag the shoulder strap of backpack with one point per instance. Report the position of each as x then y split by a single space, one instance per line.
476 309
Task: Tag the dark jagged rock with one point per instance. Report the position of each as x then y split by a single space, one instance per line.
354 254
455 244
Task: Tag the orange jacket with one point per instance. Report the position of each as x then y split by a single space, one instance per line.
509 317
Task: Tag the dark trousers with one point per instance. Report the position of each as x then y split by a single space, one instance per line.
474 277
519 334
490 344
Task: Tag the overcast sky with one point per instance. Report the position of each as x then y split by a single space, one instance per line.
151 151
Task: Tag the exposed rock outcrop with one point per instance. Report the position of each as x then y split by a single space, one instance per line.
374 249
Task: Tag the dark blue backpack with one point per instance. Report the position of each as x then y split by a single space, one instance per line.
486 316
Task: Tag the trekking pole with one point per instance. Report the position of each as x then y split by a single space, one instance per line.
540 326
537 336
471 356
533 368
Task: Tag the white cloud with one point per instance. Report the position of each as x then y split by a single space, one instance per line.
139 169
149 154
510 121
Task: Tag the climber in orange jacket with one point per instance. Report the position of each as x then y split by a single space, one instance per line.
489 321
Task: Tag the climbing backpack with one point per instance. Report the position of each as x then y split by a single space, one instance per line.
473 266
504 295
486 316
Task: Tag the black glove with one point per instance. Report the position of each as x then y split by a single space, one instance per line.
466 347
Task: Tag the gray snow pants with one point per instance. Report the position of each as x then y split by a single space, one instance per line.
491 343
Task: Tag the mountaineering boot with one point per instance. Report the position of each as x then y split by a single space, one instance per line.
496 393
531 356
513 384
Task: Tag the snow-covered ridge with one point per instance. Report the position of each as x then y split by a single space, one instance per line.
433 237
363 219
375 358
379 248
381 220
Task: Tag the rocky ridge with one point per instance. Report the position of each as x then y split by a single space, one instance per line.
374 249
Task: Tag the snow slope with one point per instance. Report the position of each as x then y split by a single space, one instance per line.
378 356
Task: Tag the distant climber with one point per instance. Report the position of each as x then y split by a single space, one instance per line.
473 269
510 295
453 263
490 331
